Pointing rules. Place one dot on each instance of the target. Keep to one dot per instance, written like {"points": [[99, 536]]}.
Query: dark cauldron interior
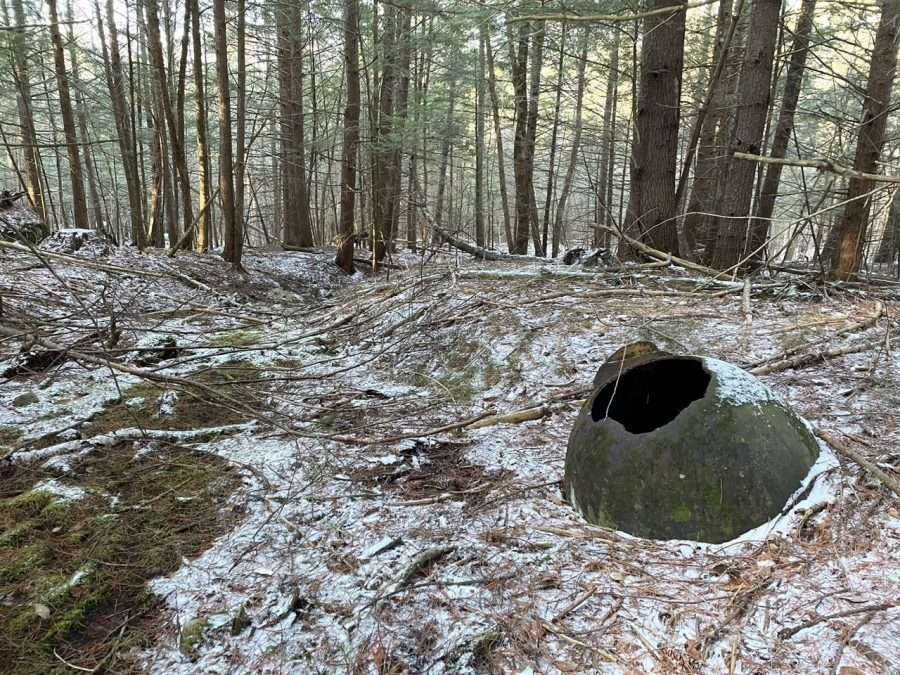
{"points": [[652, 395]]}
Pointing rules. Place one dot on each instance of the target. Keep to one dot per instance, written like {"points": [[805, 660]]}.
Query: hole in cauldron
{"points": [[652, 395]]}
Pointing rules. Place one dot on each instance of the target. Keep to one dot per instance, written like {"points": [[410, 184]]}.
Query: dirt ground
{"points": [[366, 508]]}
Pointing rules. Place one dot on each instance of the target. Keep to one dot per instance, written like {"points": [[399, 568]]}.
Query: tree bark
{"points": [[703, 191], [652, 206], [156, 56], [234, 237], [404, 37], [754, 93], [384, 159], [297, 228], [82, 115], [31, 154], [240, 141], [350, 153], [519, 65], [559, 224], [785, 125], [537, 64], [445, 162], [205, 224], [498, 135], [79, 202], [890, 239], [479, 145], [607, 138], [853, 225], [548, 201]]}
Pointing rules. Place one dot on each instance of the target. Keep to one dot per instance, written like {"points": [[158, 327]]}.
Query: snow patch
{"points": [[737, 385]]}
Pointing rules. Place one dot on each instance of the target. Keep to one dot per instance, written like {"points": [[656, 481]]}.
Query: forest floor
{"points": [[293, 471]]}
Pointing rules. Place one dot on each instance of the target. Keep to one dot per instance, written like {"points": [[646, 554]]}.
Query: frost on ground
{"points": [[393, 525]]}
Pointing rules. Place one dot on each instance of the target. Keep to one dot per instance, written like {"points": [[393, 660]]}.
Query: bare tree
{"points": [[785, 125], [297, 229], [652, 207], [79, 202], [350, 136], [559, 224], [498, 136], [234, 238], [754, 92], [32, 157], [479, 144], [854, 224], [168, 111], [205, 224]]}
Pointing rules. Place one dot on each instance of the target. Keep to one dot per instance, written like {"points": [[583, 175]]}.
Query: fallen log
{"points": [[473, 249]]}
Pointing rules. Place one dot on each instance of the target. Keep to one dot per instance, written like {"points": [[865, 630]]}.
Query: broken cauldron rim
{"points": [[732, 384]]}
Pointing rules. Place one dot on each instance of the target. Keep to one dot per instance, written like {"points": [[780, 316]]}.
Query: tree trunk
{"points": [[240, 141], [350, 153], [890, 239], [548, 201], [402, 108], [559, 225], [785, 126], [297, 228], [234, 237], [853, 225], [445, 162], [156, 57], [652, 207], [498, 135], [519, 65], [384, 166], [82, 114], [703, 191], [205, 224], [31, 154], [754, 92], [537, 64], [607, 138], [479, 145], [79, 203]]}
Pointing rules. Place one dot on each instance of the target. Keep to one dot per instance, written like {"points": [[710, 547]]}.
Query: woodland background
{"points": [[525, 126]]}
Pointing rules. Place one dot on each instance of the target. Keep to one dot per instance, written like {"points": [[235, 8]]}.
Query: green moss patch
{"points": [[73, 573], [237, 338], [154, 406], [8, 439]]}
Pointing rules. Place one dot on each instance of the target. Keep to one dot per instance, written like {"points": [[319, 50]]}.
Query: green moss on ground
{"points": [[139, 405], [9, 436], [73, 573], [237, 338]]}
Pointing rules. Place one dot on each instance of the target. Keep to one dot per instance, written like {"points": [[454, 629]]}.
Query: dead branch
{"points": [[820, 163], [472, 249], [870, 467], [787, 633], [660, 255], [80, 262], [187, 233], [804, 360], [151, 375], [535, 411], [608, 18], [861, 325], [121, 436]]}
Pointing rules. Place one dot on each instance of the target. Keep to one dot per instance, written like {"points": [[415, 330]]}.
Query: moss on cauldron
{"points": [[674, 447]]}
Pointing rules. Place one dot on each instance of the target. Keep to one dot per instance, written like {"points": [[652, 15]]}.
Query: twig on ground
{"points": [[870, 467], [788, 633]]}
